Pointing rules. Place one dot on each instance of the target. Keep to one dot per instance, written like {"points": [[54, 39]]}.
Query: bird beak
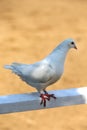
{"points": [[75, 47]]}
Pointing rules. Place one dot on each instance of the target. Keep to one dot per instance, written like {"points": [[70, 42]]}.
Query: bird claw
{"points": [[46, 97], [53, 96]]}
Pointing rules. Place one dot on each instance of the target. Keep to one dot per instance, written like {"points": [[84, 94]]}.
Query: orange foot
{"points": [[45, 97]]}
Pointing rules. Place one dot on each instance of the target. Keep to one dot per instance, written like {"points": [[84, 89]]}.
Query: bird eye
{"points": [[72, 43]]}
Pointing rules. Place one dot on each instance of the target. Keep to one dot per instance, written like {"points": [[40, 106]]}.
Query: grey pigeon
{"points": [[45, 72]]}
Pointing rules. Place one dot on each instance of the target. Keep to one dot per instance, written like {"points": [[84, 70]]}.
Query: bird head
{"points": [[71, 44], [66, 45]]}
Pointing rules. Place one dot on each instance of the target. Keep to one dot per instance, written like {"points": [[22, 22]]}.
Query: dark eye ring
{"points": [[72, 43]]}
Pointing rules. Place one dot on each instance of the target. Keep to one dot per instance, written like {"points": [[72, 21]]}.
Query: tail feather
{"points": [[8, 67], [14, 67]]}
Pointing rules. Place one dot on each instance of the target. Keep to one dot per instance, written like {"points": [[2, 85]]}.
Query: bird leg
{"points": [[45, 97]]}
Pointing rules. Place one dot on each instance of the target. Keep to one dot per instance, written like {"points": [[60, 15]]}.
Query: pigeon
{"points": [[45, 72]]}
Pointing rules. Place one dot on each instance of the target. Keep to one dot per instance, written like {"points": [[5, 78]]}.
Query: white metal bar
{"points": [[31, 101]]}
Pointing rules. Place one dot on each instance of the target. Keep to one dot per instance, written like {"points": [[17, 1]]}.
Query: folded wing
{"points": [[33, 73]]}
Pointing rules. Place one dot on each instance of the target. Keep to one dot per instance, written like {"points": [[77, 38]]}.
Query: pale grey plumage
{"points": [[47, 71]]}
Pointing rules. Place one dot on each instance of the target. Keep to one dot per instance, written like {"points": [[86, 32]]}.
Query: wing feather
{"points": [[38, 73]]}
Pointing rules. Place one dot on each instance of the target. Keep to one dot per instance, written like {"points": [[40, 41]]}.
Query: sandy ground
{"points": [[29, 30]]}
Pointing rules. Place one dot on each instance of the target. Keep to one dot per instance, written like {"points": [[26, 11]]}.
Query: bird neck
{"points": [[61, 47], [59, 54]]}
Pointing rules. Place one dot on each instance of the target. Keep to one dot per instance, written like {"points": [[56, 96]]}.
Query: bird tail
{"points": [[8, 67], [14, 67]]}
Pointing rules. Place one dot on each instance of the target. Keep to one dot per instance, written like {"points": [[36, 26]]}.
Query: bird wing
{"points": [[37, 73]]}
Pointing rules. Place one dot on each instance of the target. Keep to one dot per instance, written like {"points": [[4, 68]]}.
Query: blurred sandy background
{"points": [[29, 30]]}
